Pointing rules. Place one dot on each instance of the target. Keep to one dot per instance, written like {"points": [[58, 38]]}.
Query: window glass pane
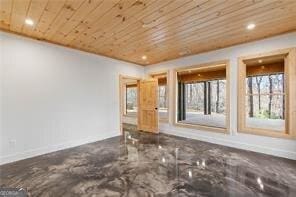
{"points": [[162, 101], [265, 84], [205, 103], [277, 83], [265, 111], [131, 100], [265, 104], [194, 98], [218, 101]]}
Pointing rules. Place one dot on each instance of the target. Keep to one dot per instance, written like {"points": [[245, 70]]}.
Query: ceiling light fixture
{"points": [[29, 21], [186, 51], [260, 61], [144, 57], [251, 26]]}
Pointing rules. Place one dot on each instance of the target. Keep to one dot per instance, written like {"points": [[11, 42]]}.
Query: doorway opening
{"points": [[138, 104], [129, 94]]}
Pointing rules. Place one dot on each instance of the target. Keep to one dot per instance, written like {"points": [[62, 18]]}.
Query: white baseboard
{"points": [[233, 144], [186, 134], [48, 149]]}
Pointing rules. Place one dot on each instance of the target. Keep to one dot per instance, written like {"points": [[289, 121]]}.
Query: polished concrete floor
{"points": [[141, 164]]}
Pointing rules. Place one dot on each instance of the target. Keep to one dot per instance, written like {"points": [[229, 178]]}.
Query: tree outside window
{"points": [[131, 100], [265, 96]]}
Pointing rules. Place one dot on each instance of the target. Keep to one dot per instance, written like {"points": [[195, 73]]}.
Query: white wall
{"points": [[268, 145], [54, 97]]}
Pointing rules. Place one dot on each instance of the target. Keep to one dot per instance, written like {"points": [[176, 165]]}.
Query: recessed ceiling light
{"points": [[186, 51], [149, 24], [260, 61], [251, 26], [182, 53], [144, 57], [29, 21]]}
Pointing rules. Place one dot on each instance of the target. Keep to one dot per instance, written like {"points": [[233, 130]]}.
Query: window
{"points": [[205, 103], [265, 107], [131, 100], [162, 101], [162, 94], [266, 101], [202, 96]]}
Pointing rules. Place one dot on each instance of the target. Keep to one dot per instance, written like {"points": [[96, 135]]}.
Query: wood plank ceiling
{"points": [[159, 29]]}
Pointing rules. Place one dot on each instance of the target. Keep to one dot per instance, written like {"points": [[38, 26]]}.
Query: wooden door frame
{"points": [[121, 102]]}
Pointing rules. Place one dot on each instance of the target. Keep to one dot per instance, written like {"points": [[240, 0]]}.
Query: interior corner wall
{"points": [[54, 97], [273, 146]]}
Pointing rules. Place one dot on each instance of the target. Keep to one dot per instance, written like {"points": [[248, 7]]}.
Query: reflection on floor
{"points": [[142, 164], [129, 127]]}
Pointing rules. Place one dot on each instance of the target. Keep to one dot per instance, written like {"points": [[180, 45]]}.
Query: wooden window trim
{"points": [[166, 73], [290, 95], [205, 66]]}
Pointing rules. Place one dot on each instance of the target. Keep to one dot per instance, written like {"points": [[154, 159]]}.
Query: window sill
{"points": [[202, 127]]}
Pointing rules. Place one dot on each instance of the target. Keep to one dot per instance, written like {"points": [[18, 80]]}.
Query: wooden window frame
{"points": [[290, 94], [205, 66], [165, 72]]}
